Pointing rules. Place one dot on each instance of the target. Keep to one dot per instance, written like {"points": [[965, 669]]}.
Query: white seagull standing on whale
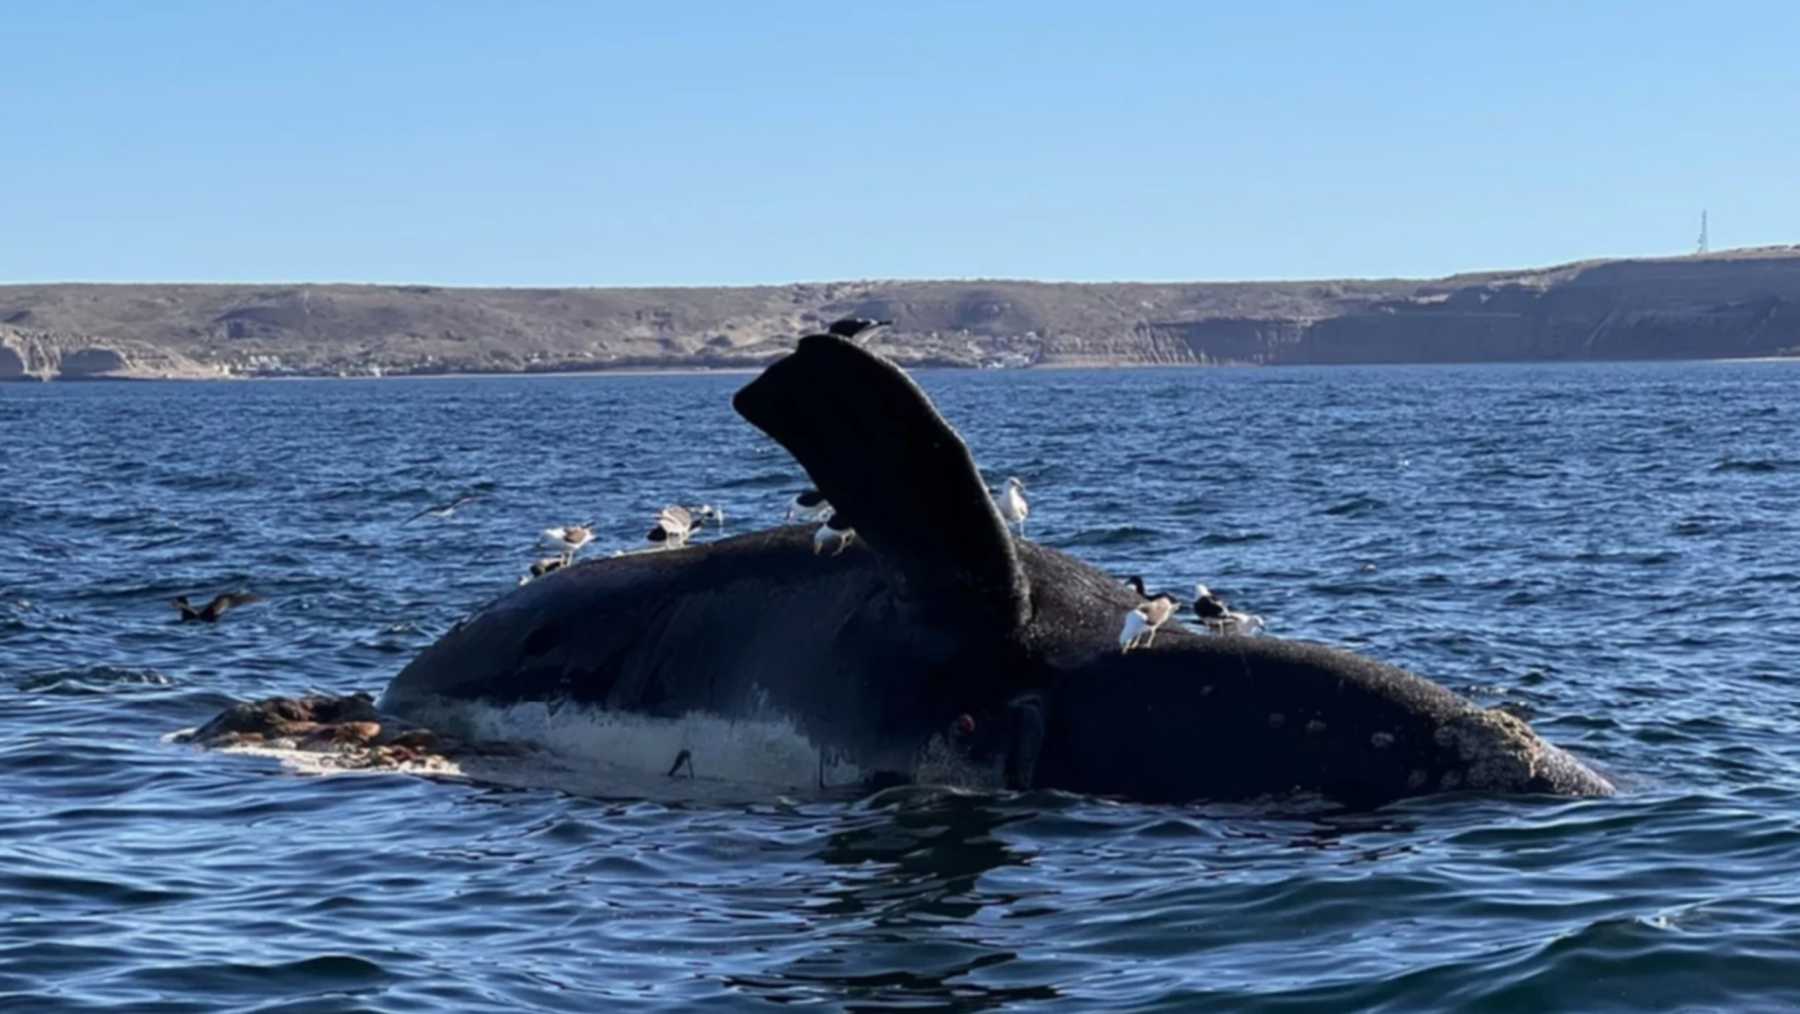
{"points": [[1012, 505], [571, 538], [1142, 623], [1135, 624]]}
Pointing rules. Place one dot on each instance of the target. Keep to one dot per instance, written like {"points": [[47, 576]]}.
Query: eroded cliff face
{"points": [[50, 355], [12, 361], [1734, 304]]}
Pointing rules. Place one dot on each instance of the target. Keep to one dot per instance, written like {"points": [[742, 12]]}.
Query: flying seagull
{"points": [[211, 612], [444, 510]]}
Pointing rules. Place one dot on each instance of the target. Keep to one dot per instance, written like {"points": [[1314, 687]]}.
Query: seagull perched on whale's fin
{"points": [[857, 329]]}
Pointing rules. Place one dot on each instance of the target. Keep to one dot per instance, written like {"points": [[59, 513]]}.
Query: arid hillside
{"points": [[1739, 303]]}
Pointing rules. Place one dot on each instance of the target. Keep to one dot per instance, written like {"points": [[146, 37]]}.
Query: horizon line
{"points": [[1791, 249]]}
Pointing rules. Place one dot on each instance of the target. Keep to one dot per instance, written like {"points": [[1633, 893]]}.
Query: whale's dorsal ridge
{"points": [[876, 447]]}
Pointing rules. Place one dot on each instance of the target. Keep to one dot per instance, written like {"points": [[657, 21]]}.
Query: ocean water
{"points": [[1611, 551]]}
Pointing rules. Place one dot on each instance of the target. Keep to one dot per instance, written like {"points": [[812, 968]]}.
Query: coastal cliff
{"points": [[1741, 303]]}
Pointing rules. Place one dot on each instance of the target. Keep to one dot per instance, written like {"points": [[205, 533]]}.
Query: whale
{"points": [[934, 647]]}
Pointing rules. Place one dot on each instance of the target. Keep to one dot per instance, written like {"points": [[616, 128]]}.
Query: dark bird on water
{"points": [[857, 329], [444, 510], [211, 612]]}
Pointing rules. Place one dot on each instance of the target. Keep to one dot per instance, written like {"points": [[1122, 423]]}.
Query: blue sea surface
{"points": [[1611, 551]]}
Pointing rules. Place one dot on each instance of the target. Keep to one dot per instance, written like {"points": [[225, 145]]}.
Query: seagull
{"points": [[1135, 622], [1210, 609], [1149, 616], [1220, 618], [808, 505], [1157, 612], [1238, 624], [444, 510], [857, 329], [1012, 505], [834, 529], [1208, 606], [544, 565], [571, 538], [673, 526], [211, 612]]}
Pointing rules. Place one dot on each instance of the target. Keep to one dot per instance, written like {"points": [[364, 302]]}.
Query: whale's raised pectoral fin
{"points": [[878, 450]]}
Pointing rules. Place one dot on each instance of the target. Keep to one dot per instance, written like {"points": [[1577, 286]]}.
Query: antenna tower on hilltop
{"points": [[1703, 247]]}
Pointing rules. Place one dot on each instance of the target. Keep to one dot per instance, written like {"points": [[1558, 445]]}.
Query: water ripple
{"points": [[1552, 540]]}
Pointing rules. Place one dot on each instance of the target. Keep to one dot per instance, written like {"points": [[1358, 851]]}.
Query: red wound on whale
{"points": [[965, 724]]}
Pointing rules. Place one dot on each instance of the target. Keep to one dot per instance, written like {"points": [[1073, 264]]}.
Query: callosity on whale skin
{"points": [[348, 730]]}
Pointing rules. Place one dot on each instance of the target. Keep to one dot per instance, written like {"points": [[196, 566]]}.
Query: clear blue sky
{"points": [[698, 143]]}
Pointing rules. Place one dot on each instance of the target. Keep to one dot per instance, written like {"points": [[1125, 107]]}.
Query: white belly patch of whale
{"points": [[621, 754], [767, 751]]}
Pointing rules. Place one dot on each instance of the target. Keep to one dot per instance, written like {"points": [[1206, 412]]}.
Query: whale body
{"points": [[935, 646]]}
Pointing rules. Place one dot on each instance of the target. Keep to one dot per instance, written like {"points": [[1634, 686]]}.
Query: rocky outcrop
{"points": [[12, 360], [51, 355], [26, 355], [1739, 303]]}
